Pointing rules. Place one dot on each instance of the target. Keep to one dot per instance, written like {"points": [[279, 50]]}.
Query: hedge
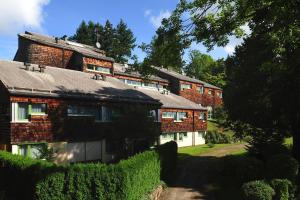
{"points": [[130, 179], [168, 158], [257, 190], [283, 188]]}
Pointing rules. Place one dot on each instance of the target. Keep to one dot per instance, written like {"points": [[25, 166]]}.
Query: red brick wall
{"points": [[93, 61], [36, 53], [190, 124], [191, 94], [212, 100]]}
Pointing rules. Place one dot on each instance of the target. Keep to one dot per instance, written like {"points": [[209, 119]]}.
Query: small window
{"points": [[180, 116], [23, 111], [219, 94], [169, 115], [209, 112], [31, 150], [200, 89], [185, 86], [101, 69], [38, 109], [210, 92], [202, 116], [182, 136], [154, 114]]}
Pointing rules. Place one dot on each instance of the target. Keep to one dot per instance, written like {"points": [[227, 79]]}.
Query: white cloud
{"points": [[229, 48], [16, 15], [156, 20], [147, 12]]}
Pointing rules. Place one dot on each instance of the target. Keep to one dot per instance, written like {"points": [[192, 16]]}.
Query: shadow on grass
{"points": [[207, 177]]}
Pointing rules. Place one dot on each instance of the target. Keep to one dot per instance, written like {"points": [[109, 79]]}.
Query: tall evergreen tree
{"points": [[124, 42], [116, 42]]}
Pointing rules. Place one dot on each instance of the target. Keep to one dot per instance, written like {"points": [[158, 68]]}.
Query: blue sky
{"points": [[60, 17]]}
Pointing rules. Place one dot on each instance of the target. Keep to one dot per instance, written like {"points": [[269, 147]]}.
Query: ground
{"points": [[197, 175]]}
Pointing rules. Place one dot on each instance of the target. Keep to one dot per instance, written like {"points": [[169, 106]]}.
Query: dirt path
{"points": [[196, 176]]}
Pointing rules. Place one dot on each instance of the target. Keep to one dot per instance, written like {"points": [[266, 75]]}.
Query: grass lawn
{"points": [[200, 149], [213, 125]]}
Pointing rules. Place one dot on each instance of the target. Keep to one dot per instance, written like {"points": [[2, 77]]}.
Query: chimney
{"points": [[56, 39], [27, 65], [42, 68]]}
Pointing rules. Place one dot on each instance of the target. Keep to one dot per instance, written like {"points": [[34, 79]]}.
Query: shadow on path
{"points": [[197, 177]]}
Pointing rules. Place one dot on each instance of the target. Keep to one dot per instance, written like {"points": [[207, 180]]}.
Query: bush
{"points": [[249, 169], [168, 157], [216, 137], [257, 190], [283, 189], [282, 167], [265, 150], [130, 179]]}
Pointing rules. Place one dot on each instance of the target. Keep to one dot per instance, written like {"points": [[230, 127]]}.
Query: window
{"points": [[155, 115], [201, 134], [101, 114], [210, 92], [219, 94], [101, 69], [209, 112], [81, 111], [133, 83], [38, 109], [31, 150], [169, 115], [185, 86], [200, 89], [202, 116], [22, 111]]}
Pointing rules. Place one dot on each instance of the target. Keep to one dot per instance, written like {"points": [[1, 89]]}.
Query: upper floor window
{"points": [[21, 111], [202, 116], [209, 112], [200, 89], [185, 86], [155, 115], [96, 68], [220, 94], [133, 83], [177, 116], [210, 92]]}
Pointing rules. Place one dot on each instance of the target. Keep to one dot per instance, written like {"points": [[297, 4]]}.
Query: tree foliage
{"points": [[263, 76], [117, 42], [167, 46], [205, 68]]}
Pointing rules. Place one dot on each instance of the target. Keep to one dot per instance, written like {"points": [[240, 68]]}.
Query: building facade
{"points": [[69, 111]]}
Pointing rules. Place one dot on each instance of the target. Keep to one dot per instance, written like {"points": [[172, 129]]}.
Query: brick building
{"points": [[68, 110], [181, 119], [200, 92]]}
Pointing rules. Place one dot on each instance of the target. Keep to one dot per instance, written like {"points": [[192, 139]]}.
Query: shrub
{"points": [[282, 167], [257, 190], [283, 189], [249, 169], [168, 157], [216, 137], [264, 150]]}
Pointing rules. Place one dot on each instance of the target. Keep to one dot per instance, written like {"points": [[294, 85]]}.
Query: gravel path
{"points": [[197, 175]]}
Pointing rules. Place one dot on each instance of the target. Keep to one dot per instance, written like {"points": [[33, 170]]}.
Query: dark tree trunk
{"points": [[296, 145]]}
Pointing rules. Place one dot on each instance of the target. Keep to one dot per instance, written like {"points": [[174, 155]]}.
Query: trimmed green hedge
{"points": [[130, 179], [168, 158]]}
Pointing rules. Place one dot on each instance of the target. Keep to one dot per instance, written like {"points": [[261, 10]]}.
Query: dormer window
{"points": [[185, 86], [100, 69]]}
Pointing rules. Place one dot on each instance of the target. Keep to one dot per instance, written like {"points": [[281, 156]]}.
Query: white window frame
{"points": [[185, 86], [200, 89], [104, 70]]}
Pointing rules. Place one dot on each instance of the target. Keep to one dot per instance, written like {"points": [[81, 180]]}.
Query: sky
{"points": [[62, 17]]}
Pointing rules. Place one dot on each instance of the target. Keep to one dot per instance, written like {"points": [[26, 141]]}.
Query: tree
{"points": [[116, 42], [262, 93], [205, 68], [124, 43], [167, 46]]}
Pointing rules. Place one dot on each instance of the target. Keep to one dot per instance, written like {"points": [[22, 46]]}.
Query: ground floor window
{"points": [[209, 112], [31, 150], [201, 134]]}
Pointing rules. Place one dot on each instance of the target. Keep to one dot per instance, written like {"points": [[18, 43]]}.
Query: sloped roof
{"points": [[58, 82], [123, 70], [183, 77], [170, 100], [83, 49]]}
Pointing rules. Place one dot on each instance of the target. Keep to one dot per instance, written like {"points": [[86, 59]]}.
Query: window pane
{"points": [[90, 67], [36, 150], [107, 114], [22, 111], [38, 108], [23, 150], [185, 86]]}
